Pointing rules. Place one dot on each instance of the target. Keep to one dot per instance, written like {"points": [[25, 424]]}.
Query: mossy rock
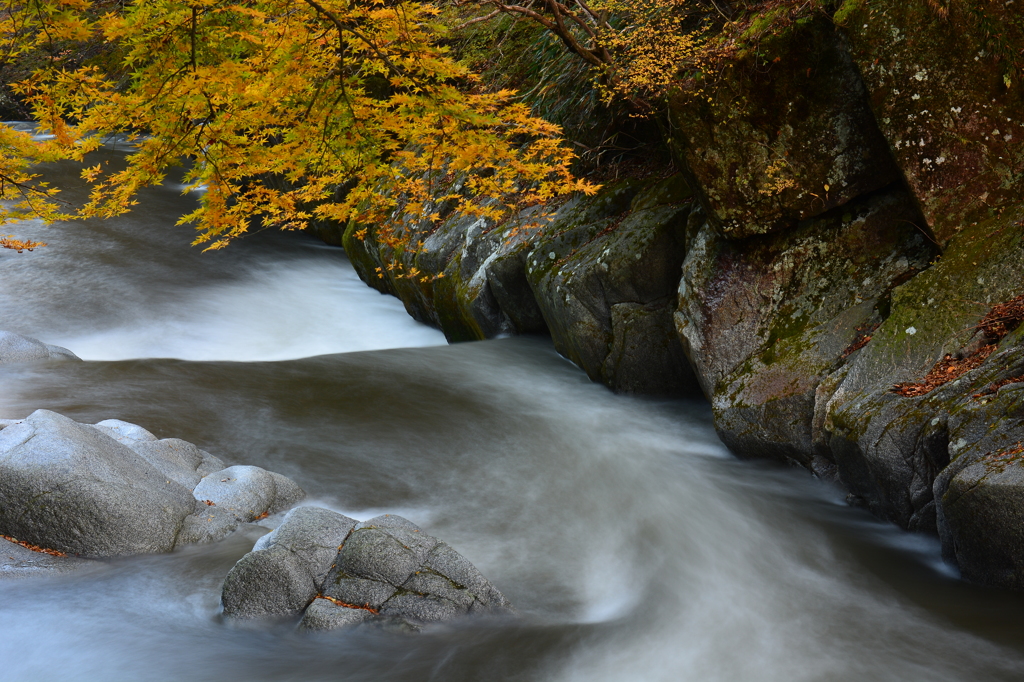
{"points": [[984, 516], [362, 252], [890, 450], [947, 93], [765, 320], [604, 276], [785, 134]]}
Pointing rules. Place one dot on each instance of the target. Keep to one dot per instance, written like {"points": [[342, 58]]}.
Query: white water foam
{"points": [[279, 312]]}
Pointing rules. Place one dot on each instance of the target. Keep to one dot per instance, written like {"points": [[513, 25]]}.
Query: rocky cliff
{"points": [[836, 267]]}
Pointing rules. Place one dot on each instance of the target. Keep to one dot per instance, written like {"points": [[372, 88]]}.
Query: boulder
{"points": [[890, 449], [386, 571], [113, 488], [248, 492], [983, 510], [287, 567], [18, 348], [66, 486], [784, 135], [765, 320], [267, 583], [605, 275], [314, 535], [944, 82]]}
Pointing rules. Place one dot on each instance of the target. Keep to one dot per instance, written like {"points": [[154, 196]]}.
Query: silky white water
{"points": [[633, 544]]}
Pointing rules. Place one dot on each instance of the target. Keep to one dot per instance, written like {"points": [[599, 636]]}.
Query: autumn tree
{"points": [[290, 111], [637, 48]]}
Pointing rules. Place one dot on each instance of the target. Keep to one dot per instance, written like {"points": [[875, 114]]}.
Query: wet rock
{"points": [[947, 97], [890, 449], [607, 301], [18, 348], [324, 614], [248, 492], [113, 488], [125, 432], [386, 571], [787, 136], [765, 320], [207, 523], [405, 531], [357, 592], [314, 535], [605, 275], [179, 460], [417, 608], [374, 554], [446, 562], [18, 562], [287, 567], [267, 583], [68, 487], [984, 515]]}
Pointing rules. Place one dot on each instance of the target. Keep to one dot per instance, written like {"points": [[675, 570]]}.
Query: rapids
{"points": [[634, 545]]}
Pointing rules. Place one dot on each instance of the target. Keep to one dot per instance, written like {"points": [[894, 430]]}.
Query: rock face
{"points": [[18, 348], [600, 276], [890, 448], [337, 572], [852, 212], [947, 97], [766, 319], [783, 142], [113, 488], [604, 275]]}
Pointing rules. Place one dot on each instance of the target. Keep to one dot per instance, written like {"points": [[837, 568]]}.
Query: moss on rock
{"points": [[946, 96], [787, 135]]}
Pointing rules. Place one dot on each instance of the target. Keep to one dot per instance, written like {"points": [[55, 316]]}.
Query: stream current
{"points": [[633, 544]]}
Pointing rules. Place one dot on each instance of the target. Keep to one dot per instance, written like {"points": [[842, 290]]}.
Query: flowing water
{"points": [[633, 544]]}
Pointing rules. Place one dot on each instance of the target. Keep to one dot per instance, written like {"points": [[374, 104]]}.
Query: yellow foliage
{"points": [[777, 179], [289, 111], [640, 49], [654, 42], [9, 242]]}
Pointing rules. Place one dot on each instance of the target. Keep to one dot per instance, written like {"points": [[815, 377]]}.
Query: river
{"points": [[633, 544]]}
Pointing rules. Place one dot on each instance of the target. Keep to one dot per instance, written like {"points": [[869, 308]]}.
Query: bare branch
{"points": [[477, 20]]}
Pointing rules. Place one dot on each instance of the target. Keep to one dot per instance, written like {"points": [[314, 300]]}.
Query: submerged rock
{"points": [[18, 348], [113, 489], [337, 572]]}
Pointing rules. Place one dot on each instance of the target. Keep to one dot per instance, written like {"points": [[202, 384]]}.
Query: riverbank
{"points": [[826, 269]]}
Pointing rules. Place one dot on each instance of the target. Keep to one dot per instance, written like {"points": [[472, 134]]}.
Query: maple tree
{"points": [[637, 48], [291, 111]]}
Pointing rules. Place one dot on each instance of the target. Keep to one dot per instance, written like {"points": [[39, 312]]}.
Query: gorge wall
{"points": [[849, 215]]}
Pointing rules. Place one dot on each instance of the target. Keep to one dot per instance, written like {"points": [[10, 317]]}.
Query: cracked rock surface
{"points": [[336, 572]]}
